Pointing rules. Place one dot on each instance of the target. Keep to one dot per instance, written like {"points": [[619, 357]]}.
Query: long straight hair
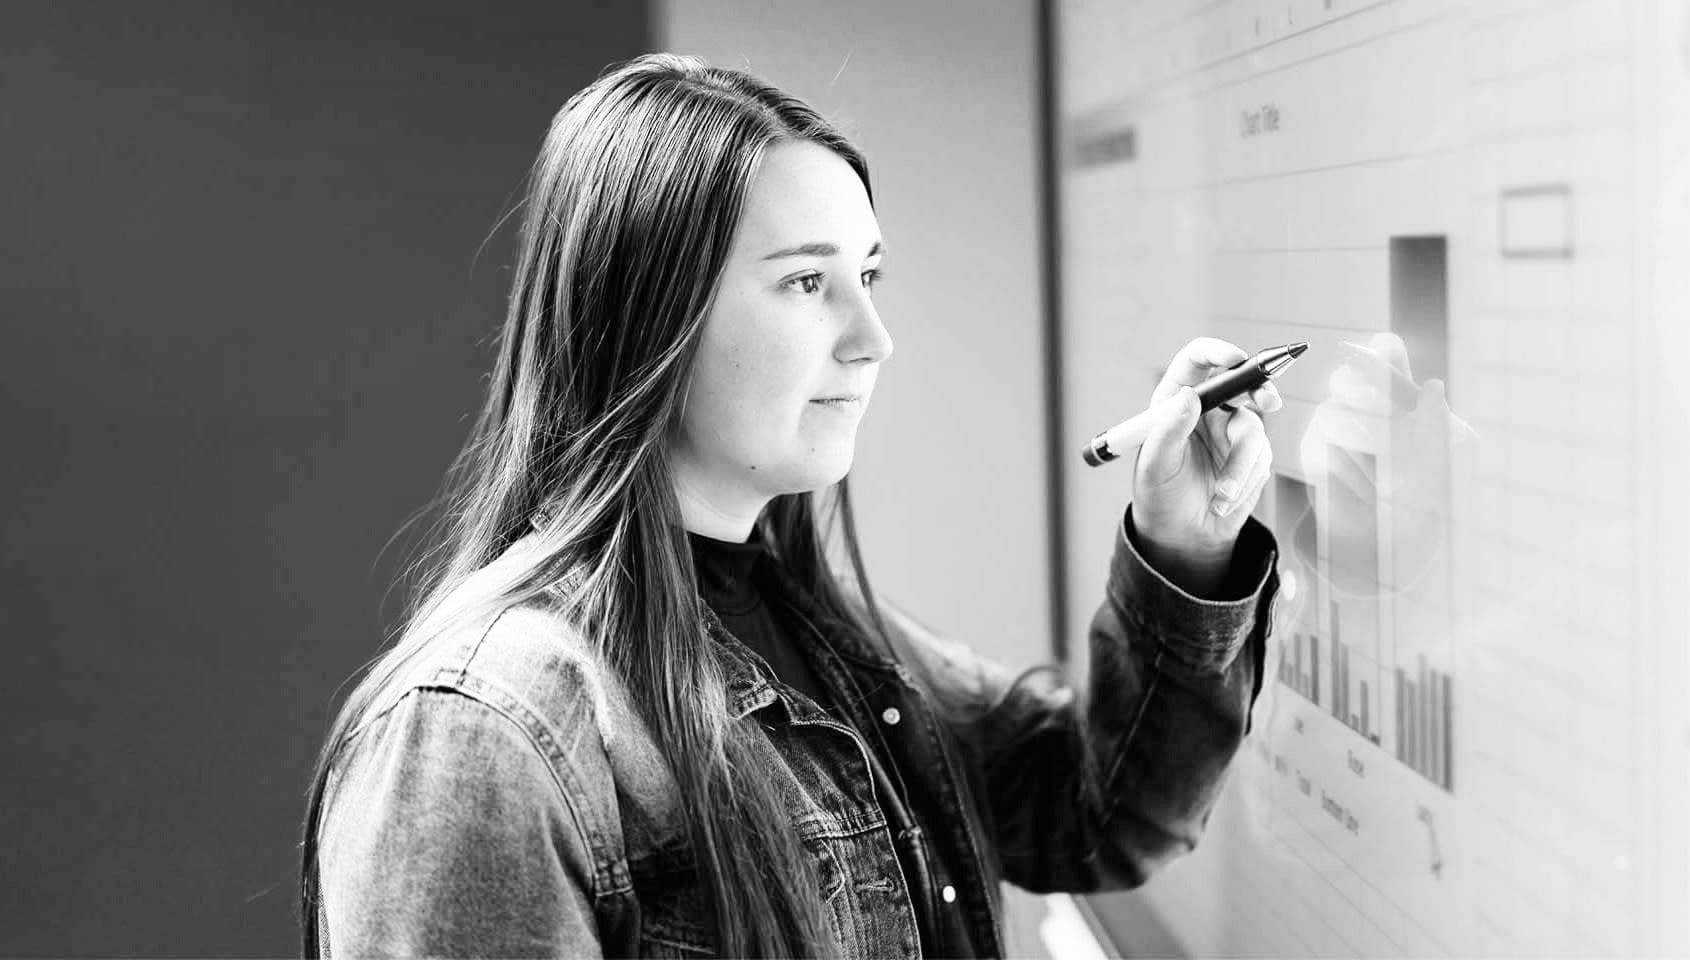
{"points": [[630, 211]]}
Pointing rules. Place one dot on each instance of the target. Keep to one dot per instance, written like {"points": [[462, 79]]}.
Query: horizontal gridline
{"points": [[1584, 157], [1512, 937], [1508, 483], [1520, 12], [1148, 93], [1524, 550], [1263, 923], [1272, 321], [1514, 17], [1486, 806], [1267, 919], [1516, 889], [1172, 25], [1550, 68], [1586, 108], [1597, 380], [1247, 251], [1587, 186], [1539, 787], [1503, 801], [1605, 686], [1544, 852], [1337, 933], [1502, 589], [1590, 123], [1360, 878], [1496, 926], [1365, 163], [1531, 881], [1498, 419], [1508, 802], [1312, 58], [1575, 320], [1528, 884], [1475, 701]]}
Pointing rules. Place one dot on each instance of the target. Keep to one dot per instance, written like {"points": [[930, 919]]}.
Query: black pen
{"points": [[1219, 390]]}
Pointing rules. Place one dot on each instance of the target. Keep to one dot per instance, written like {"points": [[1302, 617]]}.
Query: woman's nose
{"points": [[865, 336]]}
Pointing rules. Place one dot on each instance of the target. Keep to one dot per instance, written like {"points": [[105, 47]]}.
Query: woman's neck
{"points": [[717, 517]]}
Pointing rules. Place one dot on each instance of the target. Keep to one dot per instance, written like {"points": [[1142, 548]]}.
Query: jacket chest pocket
{"points": [[674, 917], [864, 901], [672, 914], [869, 907]]}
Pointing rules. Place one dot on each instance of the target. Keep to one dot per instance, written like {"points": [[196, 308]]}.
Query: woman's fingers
{"points": [[1263, 399], [1266, 398], [1248, 460], [1232, 433], [1162, 456], [1212, 431], [1194, 364]]}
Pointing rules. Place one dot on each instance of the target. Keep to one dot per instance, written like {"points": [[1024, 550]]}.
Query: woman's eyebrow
{"points": [[816, 249]]}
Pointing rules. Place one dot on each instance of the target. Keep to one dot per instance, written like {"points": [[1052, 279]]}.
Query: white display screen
{"points": [[1472, 738]]}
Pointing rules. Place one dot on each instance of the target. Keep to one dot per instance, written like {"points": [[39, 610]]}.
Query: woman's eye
{"points": [[812, 282]]}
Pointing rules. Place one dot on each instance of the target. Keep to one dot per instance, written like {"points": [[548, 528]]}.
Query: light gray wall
{"points": [[949, 475]]}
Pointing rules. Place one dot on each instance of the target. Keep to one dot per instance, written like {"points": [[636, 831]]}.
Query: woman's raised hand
{"points": [[1197, 478]]}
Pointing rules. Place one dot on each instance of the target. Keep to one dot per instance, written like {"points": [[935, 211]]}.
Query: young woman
{"points": [[634, 711]]}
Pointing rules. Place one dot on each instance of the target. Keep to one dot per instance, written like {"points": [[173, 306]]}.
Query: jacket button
{"points": [[891, 716], [949, 893]]}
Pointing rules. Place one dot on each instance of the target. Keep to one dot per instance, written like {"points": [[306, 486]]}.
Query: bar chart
{"points": [[1472, 738]]}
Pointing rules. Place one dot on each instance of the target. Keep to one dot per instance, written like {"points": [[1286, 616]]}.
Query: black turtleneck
{"points": [[732, 579]]}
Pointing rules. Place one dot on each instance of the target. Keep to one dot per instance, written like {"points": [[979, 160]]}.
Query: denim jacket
{"points": [[505, 800]]}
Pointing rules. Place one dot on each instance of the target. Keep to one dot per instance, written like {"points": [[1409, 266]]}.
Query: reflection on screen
{"points": [[1470, 745]]}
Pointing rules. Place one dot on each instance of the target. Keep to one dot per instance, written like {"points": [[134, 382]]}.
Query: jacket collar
{"points": [[846, 640], [748, 688]]}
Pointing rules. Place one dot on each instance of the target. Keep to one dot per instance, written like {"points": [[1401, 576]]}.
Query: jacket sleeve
{"points": [[1096, 792], [448, 835]]}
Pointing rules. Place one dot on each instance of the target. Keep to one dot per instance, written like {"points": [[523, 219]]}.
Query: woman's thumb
{"points": [[1163, 453]]}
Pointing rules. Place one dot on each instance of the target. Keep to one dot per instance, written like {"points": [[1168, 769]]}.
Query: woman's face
{"points": [[792, 327]]}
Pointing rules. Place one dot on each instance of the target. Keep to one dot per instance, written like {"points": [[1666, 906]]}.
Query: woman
{"points": [[635, 711]]}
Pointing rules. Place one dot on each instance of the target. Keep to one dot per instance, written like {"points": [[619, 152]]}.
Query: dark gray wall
{"points": [[246, 306]]}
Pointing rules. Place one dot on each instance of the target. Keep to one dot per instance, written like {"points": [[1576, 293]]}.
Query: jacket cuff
{"points": [[1204, 635]]}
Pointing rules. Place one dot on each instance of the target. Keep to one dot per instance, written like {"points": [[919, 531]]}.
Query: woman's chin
{"points": [[823, 471]]}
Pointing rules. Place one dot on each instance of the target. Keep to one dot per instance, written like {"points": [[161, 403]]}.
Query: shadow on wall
{"points": [[253, 265]]}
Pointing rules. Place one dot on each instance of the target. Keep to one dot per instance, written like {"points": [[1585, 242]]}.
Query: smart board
{"points": [[1472, 738]]}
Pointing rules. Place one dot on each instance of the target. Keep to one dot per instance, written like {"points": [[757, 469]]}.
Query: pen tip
{"points": [[1297, 348]]}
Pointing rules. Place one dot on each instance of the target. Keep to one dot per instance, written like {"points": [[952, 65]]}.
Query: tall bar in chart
{"points": [[1423, 724], [1418, 516], [1299, 646], [1299, 665], [1350, 565], [1351, 702]]}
